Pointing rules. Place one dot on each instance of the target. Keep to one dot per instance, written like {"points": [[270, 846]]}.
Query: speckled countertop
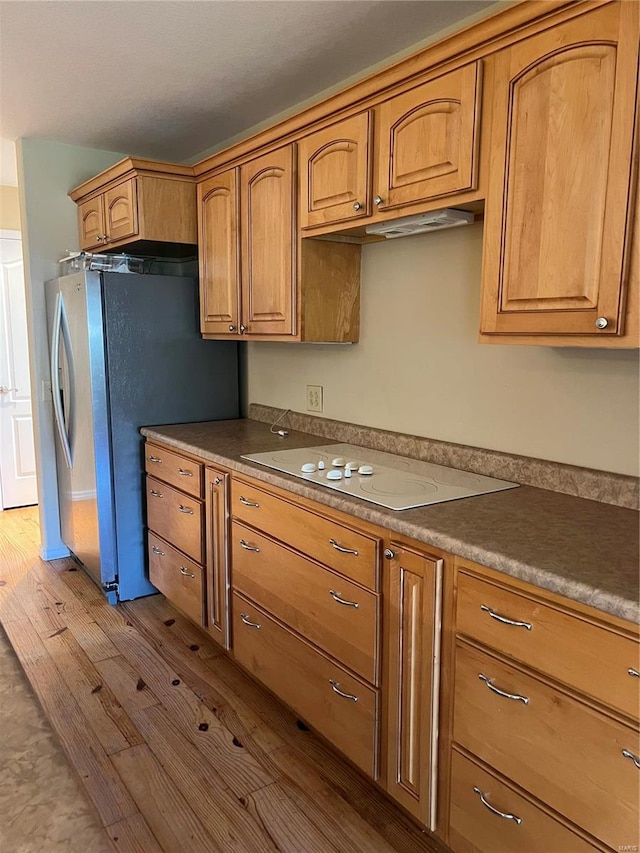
{"points": [[585, 550]]}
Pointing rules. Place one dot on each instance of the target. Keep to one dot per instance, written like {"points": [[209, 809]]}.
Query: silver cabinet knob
{"points": [[217, 481], [243, 329], [377, 200], [389, 554], [5, 390], [602, 323], [357, 205], [232, 328]]}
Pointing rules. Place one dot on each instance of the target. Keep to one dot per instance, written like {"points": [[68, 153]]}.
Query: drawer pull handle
{"points": [[154, 459], [186, 572], [336, 597], [157, 551], [632, 671], [244, 544], [185, 473], [248, 621], [248, 503], [217, 481], [504, 619], [491, 686], [636, 760], [342, 550], [156, 494], [187, 510], [335, 686], [517, 820]]}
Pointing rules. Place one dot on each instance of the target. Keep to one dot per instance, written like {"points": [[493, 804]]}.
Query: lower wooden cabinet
{"points": [[177, 577]]}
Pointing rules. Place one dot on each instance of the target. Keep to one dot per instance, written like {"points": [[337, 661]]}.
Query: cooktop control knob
{"points": [[352, 466], [339, 462], [347, 472], [334, 475], [321, 465], [366, 470], [308, 467]]}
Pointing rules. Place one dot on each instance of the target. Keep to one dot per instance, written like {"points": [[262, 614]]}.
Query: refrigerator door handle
{"points": [[55, 379]]}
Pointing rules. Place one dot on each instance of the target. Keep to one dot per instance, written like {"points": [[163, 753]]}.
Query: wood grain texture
{"points": [[217, 555], [174, 469], [177, 577], [91, 223], [329, 291], [167, 210], [176, 517], [121, 211]]}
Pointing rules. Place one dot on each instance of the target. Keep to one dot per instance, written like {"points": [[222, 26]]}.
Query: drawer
{"points": [[326, 609], [573, 650], [475, 828], [307, 681], [174, 469], [342, 548], [176, 577], [560, 750], [175, 517]]}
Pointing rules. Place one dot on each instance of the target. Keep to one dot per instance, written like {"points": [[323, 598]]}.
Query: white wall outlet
{"points": [[314, 398]]}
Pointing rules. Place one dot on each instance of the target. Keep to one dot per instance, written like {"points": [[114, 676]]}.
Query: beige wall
{"points": [[9, 208], [418, 368]]}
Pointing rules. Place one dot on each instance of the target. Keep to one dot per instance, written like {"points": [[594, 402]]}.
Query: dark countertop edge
{"points": [[607, 602]]}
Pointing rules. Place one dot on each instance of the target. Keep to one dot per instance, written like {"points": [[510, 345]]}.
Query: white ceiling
{"points": [[169, 79]]}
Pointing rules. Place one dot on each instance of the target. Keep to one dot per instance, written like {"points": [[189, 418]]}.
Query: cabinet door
{"points": [[218, 229], [217, 562], [91, 222], [121, 211], [412, 606], [268, 244], [561, 157], [335, 172], [428, 139]]}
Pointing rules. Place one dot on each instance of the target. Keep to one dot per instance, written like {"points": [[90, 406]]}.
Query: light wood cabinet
{"points": [[335, 172], [412, 618], [217, 550], [141, 205], [427, 140], [256, 279], [558, 211]]}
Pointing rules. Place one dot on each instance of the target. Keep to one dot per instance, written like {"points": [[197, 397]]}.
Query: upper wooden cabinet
{"points": [[335, 172], [139, 203], [427, 140], [257, 279], [558, 210]]}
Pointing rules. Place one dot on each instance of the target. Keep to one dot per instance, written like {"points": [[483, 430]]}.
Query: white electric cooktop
{"points": [[395, 482]]}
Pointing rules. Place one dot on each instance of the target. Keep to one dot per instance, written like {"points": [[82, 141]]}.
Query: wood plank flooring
{"points": [[176, 747]]}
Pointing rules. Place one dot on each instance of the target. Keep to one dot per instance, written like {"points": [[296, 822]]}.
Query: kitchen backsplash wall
{"points": [[418, 368]]}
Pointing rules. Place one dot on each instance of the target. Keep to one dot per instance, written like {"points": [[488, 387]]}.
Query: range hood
{"points": [[435, 220]]}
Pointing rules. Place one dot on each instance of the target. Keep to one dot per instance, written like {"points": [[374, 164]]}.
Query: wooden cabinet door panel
{"points": [[428, 139], [91, 221], [557, 206], [219, 254], [217, 559], [268, 245], [335, 172], [121, 211], [177, 577], [412, 610]]}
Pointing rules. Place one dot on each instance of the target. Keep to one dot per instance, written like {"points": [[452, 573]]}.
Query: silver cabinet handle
{"points": [[186, 572], [156, 494], [377, 200], [356, 205], [335, 686], [244, 544], [187, 510], [154, 459], [248, 503], [636, 760], [491, 686], [248, 621], [342, 550], [232, 328], [217, 481], [243, 329], [184, 473], [157, 551], [389, 554], [602, 323], [517, 820], [632, 671], [336, 597], [504, 619]]}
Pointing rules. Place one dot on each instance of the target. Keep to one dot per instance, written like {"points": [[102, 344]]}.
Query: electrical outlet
{"points": [[314, 398]]}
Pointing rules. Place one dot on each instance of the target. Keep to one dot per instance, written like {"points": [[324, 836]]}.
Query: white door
{"points": [[17, 457]]}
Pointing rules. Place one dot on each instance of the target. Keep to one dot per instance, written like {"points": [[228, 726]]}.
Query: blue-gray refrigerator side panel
{"points": [[160, 371]]}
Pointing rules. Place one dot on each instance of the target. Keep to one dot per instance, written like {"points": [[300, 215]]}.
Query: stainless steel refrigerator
{"points": [[125, 352]]}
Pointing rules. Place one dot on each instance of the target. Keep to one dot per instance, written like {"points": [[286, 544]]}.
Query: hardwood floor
{"points": [[175, 746]]}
